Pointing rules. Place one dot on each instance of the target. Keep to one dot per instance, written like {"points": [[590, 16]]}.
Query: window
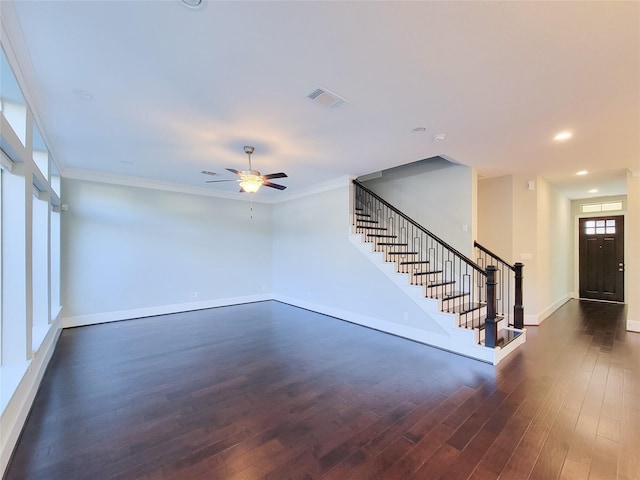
{"points": [[29, 274], [12, 104], [40, 152], [54, 256], [39, 268], [55, 178], [601, 207], [600, 227]]}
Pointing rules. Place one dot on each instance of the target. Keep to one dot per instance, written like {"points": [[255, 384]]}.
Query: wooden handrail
{"points": [[490, 253], [471, 263]]}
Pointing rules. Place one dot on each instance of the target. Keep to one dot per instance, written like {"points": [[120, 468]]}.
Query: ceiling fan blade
{"points": [[233, 171], [274, 175], [218, 181], [207, 172], [274, 185]]}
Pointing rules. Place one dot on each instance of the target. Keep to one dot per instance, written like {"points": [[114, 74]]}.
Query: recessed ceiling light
{"points": [[563, 136], [439, 137], [593, 190], [418, 130], [582, 172]]}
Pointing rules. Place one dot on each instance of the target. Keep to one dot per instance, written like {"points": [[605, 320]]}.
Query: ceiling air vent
{"points": [[326, 97]]}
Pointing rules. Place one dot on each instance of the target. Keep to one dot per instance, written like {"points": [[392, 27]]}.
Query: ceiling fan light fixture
{"points": [[250, 183], [251, 180]]}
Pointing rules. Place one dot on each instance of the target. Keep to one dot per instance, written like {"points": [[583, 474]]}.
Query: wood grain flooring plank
{"points": [[267, 390], [509, 437], [469, 457], [419, 454]]}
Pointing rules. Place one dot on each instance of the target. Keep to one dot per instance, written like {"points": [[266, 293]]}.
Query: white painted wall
{"points": [[555, 249], [437, 194], [534, 227], [525, 236], [632, 254], [130, 251], [315, 265], [495, 216]]}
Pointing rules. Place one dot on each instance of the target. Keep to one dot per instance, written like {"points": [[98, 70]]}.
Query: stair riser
{"points": [[480, 335], [462, 327], [472, 319]]}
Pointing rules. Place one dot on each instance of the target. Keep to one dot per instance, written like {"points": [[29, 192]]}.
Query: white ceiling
{"points": [[179, 90]]}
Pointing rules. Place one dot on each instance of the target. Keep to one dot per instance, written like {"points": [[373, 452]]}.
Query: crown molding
{"points": [[128, 181], [326, 186]]}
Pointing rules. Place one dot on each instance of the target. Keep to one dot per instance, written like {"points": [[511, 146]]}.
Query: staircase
{"points": [[451, 288]]}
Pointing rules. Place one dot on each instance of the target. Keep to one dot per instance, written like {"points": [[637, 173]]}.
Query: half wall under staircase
{"points": [[470, 303]]}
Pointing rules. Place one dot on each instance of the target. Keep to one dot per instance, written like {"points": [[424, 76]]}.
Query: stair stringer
{"points": [[463, 341]]}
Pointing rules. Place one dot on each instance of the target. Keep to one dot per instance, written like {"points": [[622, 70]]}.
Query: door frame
{"points": [[576, 246]]}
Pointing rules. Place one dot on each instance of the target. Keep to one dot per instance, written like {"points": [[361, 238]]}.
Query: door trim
{"points": [[576, 253]]}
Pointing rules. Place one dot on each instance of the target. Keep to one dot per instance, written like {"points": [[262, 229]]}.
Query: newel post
{"points": [[518, 309], [490, 327]]}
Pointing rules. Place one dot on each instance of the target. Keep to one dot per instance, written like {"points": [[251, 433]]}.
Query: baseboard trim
{"points": [[443, 342], [633, 326], [18, 406], [116, 316], [547, 312]]}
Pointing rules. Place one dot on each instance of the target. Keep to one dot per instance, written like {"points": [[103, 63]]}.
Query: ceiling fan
{"points": [[251, 180]]}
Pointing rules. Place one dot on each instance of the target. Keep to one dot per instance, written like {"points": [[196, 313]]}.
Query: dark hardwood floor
{"points": [[267, 390]]}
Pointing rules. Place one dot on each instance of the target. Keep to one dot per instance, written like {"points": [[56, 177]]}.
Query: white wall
{"points": [[131, 251], [632, 254], [495, 215], [28, 328], [555, 249], [316, 266], [437, 194], [534, 227]]}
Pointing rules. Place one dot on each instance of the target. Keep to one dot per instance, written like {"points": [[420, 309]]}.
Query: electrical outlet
{"points": [[194, 295]]}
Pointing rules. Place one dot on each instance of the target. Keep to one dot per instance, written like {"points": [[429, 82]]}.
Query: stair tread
{"points": [[505, 337], [454, 295], [481, 321], [469, 314], [432, 272], [467, 307], [438, 284]]}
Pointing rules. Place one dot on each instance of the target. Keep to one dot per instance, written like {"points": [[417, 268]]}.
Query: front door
{"points": [[601, 255]]}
